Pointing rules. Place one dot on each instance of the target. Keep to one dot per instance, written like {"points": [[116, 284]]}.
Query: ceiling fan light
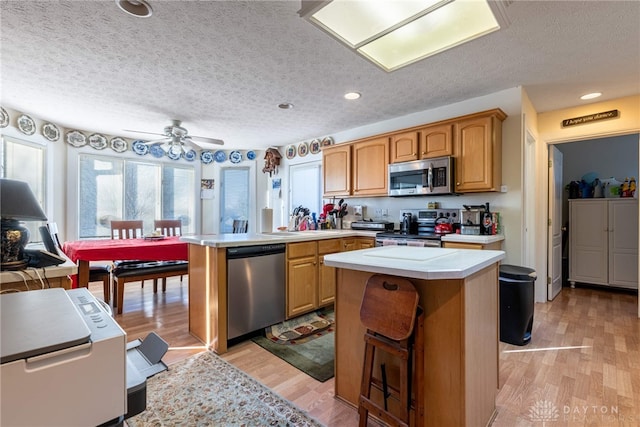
{"points": [[176, 149], [137, 8]]}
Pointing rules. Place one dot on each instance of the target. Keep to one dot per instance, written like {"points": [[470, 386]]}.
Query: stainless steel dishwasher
{"points": [[255, 288]]}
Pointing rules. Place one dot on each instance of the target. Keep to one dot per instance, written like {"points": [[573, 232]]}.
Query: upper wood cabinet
{"points": [[478, 151], [370, 161], [404, 147], [436, 141], [336, 170]]}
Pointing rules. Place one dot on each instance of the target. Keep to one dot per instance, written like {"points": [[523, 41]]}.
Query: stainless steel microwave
{"points": [[421, 177]]}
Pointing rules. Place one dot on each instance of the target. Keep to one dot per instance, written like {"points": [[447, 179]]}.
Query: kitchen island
{"points": [[208, 274], [458, 291]]}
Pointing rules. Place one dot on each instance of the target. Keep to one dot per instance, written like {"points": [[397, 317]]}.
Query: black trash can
{"points": [[516, 304]]}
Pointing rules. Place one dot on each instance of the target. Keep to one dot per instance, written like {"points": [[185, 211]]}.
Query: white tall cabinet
{"points": [[603, 242]]}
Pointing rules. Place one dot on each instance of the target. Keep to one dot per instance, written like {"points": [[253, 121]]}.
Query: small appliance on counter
{"points": [[372, 225], [476, 220]]}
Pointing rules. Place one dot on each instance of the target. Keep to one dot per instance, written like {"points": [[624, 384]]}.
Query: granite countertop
{"points": [[470, 238], [416, 262], [248, 239]]}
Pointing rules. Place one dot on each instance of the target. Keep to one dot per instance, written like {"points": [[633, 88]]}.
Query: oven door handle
{"points": [[430, 177]]}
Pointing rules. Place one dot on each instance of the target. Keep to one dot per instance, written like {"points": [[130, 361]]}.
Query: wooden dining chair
{"points": [[131, 229], [168, 227], [240, 226]]}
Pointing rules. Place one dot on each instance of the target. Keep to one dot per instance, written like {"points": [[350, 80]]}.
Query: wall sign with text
{"points": [[590, 118]]}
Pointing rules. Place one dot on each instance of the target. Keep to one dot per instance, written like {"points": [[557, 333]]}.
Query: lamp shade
{"points": [[18, 202]]}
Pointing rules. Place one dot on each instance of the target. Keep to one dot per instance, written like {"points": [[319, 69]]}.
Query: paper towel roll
{"points": [[266, 220]]}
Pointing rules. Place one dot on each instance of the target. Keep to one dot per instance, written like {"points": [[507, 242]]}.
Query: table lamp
{"points": [[17, 203]]}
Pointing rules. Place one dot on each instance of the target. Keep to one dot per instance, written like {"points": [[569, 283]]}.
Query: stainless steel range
{"points": [[422, 230]]}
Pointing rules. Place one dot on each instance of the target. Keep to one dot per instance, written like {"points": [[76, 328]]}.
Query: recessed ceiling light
{"points": [[138, 8], [351, 95], [591, 95], [285, 105]]}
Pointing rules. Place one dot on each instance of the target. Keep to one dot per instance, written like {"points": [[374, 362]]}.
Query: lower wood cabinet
{"points": [[355, 243], [310, 283], [302, 278], [464, 245]]}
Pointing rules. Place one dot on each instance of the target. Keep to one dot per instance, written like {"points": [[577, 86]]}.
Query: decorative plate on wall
{"points": [[157, 151], [51, 132], [139, 147], [314, 146], [206, 157], [327, 141], [76, 138], [119, 145], [291, 152], [303, 149], [4, 118], [251, 155], [220, 156], [26, 125], [235, 157], [98, 141], [190, 155]]}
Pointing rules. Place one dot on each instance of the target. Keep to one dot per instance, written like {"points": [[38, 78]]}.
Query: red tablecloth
{"points": [[83, 251]]}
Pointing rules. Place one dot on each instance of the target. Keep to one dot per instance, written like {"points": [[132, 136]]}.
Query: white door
{"points": [[554, 253]]}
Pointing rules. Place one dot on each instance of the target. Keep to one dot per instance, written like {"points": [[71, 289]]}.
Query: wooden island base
{"points": [[461, 346]]}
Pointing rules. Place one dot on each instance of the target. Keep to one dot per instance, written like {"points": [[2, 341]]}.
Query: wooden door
{"points": [[404, 147], [336, 170], [302, 286], [370, 162], [436, 141]]}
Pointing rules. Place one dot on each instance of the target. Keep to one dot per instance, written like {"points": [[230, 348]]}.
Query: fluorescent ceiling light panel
{"points": [[393, 34]]}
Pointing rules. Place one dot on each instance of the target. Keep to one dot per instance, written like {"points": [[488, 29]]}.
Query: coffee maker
{"points": [[476, 219]]}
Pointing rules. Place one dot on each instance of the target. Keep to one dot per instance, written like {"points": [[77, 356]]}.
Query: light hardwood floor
{"points": [[582, 367]]}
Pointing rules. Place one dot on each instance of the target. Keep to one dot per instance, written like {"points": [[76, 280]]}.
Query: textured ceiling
{"points": [[223, 67]]}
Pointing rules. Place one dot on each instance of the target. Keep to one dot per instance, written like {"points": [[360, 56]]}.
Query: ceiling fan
{"points": [[176, 137]]}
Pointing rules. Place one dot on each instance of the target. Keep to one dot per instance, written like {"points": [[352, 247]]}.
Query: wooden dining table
{"points": [[82, 252]]}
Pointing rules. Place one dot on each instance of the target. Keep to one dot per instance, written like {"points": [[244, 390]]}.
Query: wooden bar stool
{"points": [[394, 323]]}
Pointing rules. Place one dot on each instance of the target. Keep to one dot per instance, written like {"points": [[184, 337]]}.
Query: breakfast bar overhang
{"points": [[458, 291]]}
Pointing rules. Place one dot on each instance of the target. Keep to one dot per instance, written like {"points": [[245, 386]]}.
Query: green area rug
{"points": [[306, 342], [205, 390]]}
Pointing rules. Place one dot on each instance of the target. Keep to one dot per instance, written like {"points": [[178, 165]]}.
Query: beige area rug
{"points": [[205, 390]]}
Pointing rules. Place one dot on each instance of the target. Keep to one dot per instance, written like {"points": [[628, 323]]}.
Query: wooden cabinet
{"points": [[603, 242], [326, 274], [436, 141], [336, 170], [404, 147], [355, 243], [465, 245], [302, 278], [370, 161], [310, 283], [479, 152]]}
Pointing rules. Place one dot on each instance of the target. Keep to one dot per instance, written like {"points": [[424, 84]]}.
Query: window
{"points": [[305, 187], [234, 197], [25, 161], [112, 188]]}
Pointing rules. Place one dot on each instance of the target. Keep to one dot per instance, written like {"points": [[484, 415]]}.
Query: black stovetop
{"points": [[399, 235]]}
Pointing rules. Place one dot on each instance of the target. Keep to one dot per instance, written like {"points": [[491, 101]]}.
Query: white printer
{"points": [[63, 360]]}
